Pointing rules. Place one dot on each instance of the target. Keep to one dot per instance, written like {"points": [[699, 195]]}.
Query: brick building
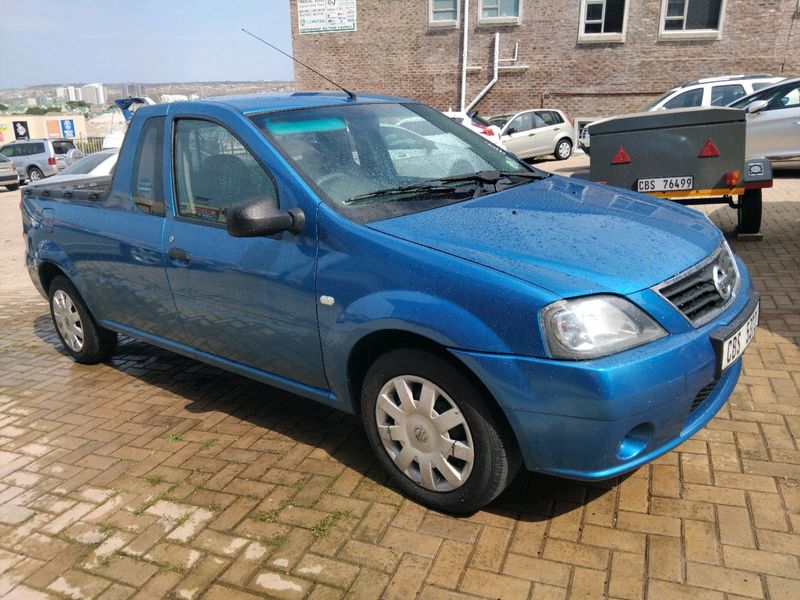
{"points": [[590, 57]]}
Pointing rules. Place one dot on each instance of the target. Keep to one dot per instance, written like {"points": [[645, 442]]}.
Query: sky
{"points": [[149, 41]]}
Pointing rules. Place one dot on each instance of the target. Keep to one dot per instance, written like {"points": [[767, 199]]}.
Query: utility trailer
{"points": [[691, 155]]}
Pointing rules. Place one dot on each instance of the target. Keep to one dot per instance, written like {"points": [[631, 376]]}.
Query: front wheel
{"points": [[85, 340], [749, 212], [434, 433], [563, 149], [13, 187]]}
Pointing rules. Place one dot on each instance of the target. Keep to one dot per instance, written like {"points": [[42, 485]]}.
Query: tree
{"points": [[3, 107], [36, 110], [77, 104]]}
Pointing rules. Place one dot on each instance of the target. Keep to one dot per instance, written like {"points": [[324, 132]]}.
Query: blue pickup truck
{"points": [[478, 313]]}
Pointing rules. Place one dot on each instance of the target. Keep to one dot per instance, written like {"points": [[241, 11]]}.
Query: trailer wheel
{"points": [[749, 212]]}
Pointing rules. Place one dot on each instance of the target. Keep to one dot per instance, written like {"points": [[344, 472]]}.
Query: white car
{"points": [[711, 91], [537, 132], [474, 123], [773, 121], [93, 165]]}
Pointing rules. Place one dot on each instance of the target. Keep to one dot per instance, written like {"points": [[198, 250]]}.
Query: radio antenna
{"points": [[350, 95]]}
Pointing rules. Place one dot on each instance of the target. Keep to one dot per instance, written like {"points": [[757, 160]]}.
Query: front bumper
{"points": [[600, 418]]}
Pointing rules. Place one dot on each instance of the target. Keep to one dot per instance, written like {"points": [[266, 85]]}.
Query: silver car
{"points": [[539, 132], [773, 121], [8, 174], [37, 159]]}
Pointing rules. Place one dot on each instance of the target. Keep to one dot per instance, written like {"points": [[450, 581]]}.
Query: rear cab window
{"points": [[686, 99], [147, 186], [722, 95]]}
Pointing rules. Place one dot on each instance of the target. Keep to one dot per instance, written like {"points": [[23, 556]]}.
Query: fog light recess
{"points": [[635, 441]]}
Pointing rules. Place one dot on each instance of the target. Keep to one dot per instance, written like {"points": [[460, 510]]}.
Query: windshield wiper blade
{"points": [[428, 186]]}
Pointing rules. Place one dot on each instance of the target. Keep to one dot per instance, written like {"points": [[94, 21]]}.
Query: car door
{"points": [[248, 301], [775, 131], [518, 134], [548, 124]]}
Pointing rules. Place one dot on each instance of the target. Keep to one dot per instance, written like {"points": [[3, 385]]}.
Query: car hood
{"points": [[567, 236]]}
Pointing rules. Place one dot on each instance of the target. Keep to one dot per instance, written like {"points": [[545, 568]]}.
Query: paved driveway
{"points": [[156, 476]]}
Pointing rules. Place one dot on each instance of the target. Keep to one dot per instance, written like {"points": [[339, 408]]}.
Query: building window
{"points": [[499, 12], [443, 13], [691, 19], [603, 20]]}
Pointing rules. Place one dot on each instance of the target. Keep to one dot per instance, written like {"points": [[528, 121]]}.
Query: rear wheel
{"points": [[434, 433], [563, 149], [13, 187], [749, 212], [83, 338], [35, 174]]}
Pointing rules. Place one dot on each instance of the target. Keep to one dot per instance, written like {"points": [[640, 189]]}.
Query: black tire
{"points": [[35, 174], [13, 187], [563, 149], [495, 458], [97, 343], [749, 212]]}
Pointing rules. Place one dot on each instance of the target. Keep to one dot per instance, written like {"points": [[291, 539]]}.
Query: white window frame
{"points": [[601, 38], [498, 20], [690, 34], [444, 24]]}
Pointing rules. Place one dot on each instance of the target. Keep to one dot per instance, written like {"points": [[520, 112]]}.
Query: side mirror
{"points": [[756, 106], [510, 131], [258, 217]]}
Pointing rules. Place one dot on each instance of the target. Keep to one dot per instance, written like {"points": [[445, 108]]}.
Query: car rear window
{"points": [[62, 147]]}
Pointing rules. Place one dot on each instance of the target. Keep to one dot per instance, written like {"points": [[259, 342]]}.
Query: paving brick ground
{"points": [[156, 476]]}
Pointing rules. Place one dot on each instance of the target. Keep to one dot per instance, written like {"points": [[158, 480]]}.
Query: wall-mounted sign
{"points": [[326, 16], [53, 129], [67, 128], [21, 130]]}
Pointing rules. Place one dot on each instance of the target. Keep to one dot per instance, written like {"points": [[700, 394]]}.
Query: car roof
{"points": [[267, 102], [723, 78]]}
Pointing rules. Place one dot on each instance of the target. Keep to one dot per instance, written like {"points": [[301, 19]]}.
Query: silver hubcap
{"points": [[424, 433], [563, 149], [35, 175], [68, 320]]}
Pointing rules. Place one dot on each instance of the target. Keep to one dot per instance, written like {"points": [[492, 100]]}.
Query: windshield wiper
{"points": [[443, 184], [426, 186]]}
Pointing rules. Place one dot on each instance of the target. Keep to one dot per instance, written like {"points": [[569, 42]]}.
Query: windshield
{"points": [[348, 152], [650, 105], [499, 120], [86, 165]]}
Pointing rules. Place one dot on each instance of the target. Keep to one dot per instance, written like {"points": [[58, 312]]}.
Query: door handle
{"points": [[178, 255], [557, 128], [531, 134]]}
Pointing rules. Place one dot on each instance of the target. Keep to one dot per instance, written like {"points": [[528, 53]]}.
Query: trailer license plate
{"points": [[664, 184], [735, 345]]}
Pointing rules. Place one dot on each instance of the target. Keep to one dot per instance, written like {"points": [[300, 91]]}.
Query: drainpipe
{"points": [[496, 73], [464, 56]]}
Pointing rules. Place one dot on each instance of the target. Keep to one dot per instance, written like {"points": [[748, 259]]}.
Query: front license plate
{"points": [[735, 344], [664, 184]]}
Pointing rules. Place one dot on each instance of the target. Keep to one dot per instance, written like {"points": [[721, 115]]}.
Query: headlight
{"points": [[596, 326]]}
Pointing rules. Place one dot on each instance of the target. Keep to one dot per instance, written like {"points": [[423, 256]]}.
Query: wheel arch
{"points": [[48, 271], [373, 345]]}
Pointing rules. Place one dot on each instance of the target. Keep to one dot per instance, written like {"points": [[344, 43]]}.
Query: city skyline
{"points": [[185, 41]]}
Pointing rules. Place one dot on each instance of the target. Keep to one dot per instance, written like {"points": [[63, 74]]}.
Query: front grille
{"points": [[697, 292], [702, 395]]}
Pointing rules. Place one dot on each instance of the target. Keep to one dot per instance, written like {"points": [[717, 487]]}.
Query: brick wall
{"points": [[395, 52]]}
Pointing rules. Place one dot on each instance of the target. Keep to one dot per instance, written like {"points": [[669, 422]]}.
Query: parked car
{"points": [[711, 91], [534, 133], [37, 159], [773, 121], [8, 174], [98, 164], [475, 320], [475, 123]]}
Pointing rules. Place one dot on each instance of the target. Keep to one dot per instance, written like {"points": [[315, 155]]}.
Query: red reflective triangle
{"points": [[621, 157], [708, 150]]}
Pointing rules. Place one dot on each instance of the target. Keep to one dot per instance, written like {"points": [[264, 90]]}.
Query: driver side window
{"points": [[523, 122], [788, 97], [213, 170]]}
